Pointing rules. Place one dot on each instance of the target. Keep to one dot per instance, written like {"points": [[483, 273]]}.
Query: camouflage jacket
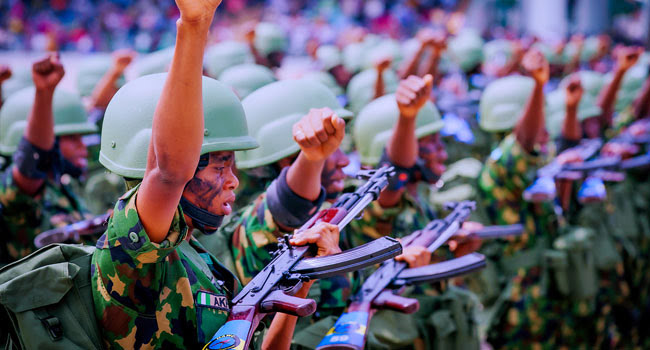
{"points": [[23, 217], [172, 294], [507, 173]]}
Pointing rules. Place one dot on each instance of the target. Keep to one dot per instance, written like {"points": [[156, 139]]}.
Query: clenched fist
{"points": [[197, 10], [412, 93], [48, 72], [122, 59], [383, 64], [626, 57], [319, 133], [574, 91], [536, 65], [5, 73]]}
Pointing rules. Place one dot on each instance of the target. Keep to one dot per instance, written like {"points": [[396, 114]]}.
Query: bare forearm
{"points": [[303, 177], [607, 98], [178, 121], [532, 121], [379, 85], [105, 89], [40, 124], [402, 148], [410, 67], [571, 128], [432, 64]]}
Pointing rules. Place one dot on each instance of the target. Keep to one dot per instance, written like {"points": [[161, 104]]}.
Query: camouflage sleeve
{"points": [[125, 261], [21, 217], [509, 170], [253, 239]]}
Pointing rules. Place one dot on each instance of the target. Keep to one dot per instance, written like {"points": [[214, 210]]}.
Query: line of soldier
{"points": [[182, 142]]}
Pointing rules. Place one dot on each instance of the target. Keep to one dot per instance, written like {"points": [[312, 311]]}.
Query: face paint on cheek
{"points": [[206, 191]]}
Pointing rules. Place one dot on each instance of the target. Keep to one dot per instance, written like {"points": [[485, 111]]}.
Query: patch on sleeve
{"points": [[213, 301]]}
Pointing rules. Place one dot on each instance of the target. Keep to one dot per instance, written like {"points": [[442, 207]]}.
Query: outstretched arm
{"points": [[571, 130], [107, 86], [531, 126], [177, 131], [626, 58], [46, 73], [402, 149]]}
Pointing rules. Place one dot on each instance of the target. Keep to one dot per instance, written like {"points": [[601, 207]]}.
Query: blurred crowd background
{"points": [[148, 25]]}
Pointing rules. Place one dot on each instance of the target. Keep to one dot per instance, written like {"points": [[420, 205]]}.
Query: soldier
{"points": [[268, 43], [36, 192], [153, 284]]}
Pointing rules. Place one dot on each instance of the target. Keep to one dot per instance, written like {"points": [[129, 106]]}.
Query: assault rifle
{"points": [[272, 289], [381, 289], [73, 232], [500, 231]]}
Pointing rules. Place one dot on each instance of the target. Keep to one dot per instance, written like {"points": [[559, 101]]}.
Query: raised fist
{"points": [[197, 10], [412, 93], [574, 91], [383, 63], [626, 57], [5, 73], [536, 65], [122, 59], [319, 133], [48, 72]]}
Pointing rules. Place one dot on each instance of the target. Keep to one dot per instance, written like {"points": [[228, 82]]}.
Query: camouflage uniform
{"points": [[172, 294], [530, 313], [23, 217]]}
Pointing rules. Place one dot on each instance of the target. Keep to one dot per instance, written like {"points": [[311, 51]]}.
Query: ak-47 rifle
{"points": [[272, 289], [380, 288], [500, 231], [73, 232]]}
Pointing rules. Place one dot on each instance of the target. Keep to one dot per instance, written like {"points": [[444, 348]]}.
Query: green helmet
{"points": [[556, 110], [325, 79], [329, 56], [246, 78], [20, 79], [499, 50], [269, 38], [155, 62], [126, 131], [592, 82], [552, 56], [271, 122], [386, 48], [91, 71], [589, 50], [353, 57], [68, 110], [630, 86], [466, 49], [373, 126], [502, 102], [362, 87], [226, 54]]}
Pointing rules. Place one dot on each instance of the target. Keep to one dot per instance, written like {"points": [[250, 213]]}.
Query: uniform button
{"points": [[134, 237]]}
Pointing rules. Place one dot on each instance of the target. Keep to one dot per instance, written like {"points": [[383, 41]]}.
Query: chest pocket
{"points": [[210, 292]]}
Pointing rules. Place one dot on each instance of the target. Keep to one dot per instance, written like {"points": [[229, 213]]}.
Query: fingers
{"points": [[318, 127], [414, 91], [324, 235], [415, 256]]}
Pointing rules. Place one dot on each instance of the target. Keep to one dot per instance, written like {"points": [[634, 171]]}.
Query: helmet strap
{"points": [[201, 218]]}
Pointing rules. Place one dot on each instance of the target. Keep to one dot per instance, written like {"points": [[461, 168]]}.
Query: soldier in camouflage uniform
{"points": [[49, 156], [153, 283]]}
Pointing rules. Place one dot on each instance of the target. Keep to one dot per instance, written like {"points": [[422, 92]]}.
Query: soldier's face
{"points": [[74, 150], [212, 188], [332, 178], [432, 150]]}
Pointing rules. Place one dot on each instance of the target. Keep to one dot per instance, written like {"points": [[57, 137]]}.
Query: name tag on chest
{"points": [[211, 300]]}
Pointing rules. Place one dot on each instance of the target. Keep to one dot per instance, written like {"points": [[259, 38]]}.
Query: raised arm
{"points": [[642, 102], [39, 133], [402, 148], [574, 62], [319, 134], [380, 67], [107, 86], [5, 73], [530, 126], [626, 57], [177, 131], [571, 130], [250, 40], [438, 46]]}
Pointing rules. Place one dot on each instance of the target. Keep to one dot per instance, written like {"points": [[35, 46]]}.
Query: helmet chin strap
{"points": [[201, 218]]}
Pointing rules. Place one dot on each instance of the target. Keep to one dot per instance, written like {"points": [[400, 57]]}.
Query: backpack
{"points": [[46, 300]]}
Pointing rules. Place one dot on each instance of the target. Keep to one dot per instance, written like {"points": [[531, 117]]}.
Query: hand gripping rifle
{"points": [[379, 290], [73, 232], [272, 289]]}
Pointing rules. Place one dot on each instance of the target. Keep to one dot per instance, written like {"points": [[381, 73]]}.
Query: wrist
{"points": [[571, 108], [198, 24], [45, 91]]}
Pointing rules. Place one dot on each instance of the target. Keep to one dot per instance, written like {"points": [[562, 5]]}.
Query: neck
{"points": [[190, 227]]}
